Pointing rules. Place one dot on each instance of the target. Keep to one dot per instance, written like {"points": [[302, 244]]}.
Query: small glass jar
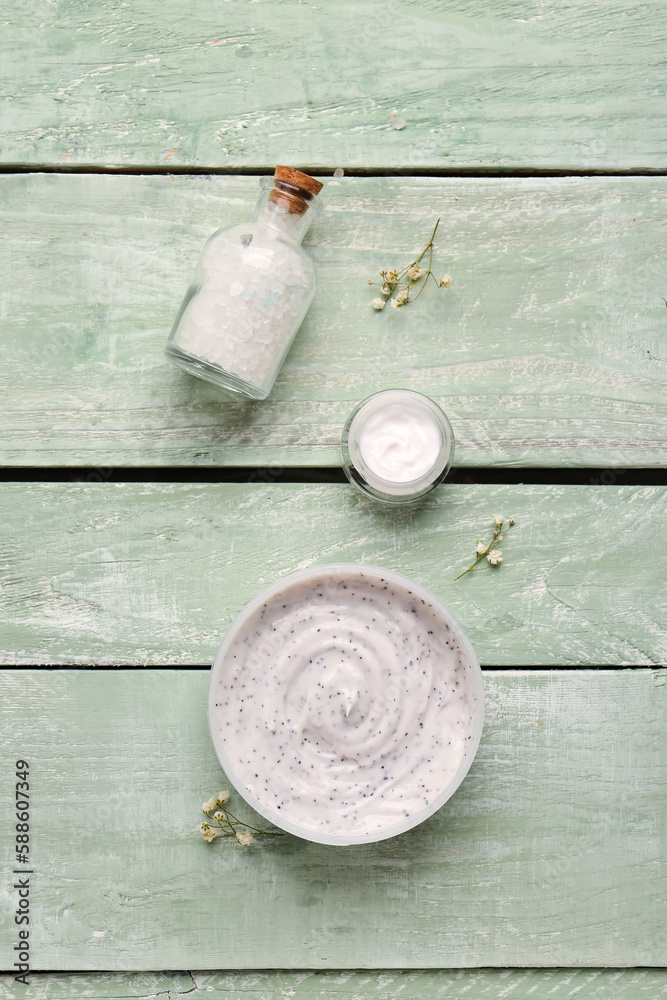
{"points": [[397, 446], [250, 292]]}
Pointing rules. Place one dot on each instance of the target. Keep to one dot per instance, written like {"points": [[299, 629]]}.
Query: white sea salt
{"points": [[251, 290]]}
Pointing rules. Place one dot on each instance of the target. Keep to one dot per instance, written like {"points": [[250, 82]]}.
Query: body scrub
{"points": [[346, 704], [397, 446]]}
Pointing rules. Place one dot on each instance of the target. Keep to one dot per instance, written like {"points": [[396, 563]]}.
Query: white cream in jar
{"points": [[397, 446], [400, 442], [346, 704]]}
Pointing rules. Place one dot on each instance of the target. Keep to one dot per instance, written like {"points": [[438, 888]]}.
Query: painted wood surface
{"points": [[549, 349], [249, 84], [551, 853], [477, 984], [155, 574]]}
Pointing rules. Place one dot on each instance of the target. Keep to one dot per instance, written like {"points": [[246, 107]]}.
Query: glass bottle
{"points": [[397, 446], [251, 290]]}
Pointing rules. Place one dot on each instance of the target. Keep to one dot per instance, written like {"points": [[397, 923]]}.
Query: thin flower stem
{"points": [[478, 559], [230, 821], [421, 289], [429, 245], [497, 533], [239, 822], [409, 290], [230, 816]]}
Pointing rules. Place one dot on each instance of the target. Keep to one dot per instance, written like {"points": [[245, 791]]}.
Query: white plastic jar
{"points": [[397, 446]]}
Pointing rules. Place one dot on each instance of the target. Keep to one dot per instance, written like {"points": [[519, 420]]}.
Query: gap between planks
{"points": [[659, 672], [537, 476], [263, 171]]}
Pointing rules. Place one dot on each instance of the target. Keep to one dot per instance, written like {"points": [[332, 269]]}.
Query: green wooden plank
{"points": [[247, 84], [549, 349], [154, 574], [99, 986], [551, 853], [479, 984]]}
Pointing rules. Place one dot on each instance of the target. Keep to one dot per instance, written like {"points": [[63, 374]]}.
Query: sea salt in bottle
{"points": [[251, 290], [397, 446]]}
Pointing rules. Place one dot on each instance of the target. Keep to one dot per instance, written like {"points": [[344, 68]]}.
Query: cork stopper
{"points": [[293, 190]]}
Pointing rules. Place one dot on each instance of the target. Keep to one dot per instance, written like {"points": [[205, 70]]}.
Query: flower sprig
{"points": [[490, 551], [228, 824], [400, 287]]}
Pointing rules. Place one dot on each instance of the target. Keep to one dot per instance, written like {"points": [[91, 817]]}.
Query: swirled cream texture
{"points": [[345, 705], [400, 442]]}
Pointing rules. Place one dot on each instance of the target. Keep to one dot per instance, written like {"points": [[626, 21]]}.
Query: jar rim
{"points": [[377, 486]]}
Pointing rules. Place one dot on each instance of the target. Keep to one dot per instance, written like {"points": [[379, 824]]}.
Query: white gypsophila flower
{"points": [[395, 304], [495, 557], [386, 289], [403, 296], [219, 816], [480, 548], [244, 838], [391, 276], [378, 303], [445, 280], [222, 797], [209, 806], [208, 833], [498, 519], [414, 273]]}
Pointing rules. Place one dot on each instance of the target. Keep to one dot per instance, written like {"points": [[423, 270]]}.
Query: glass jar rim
{"points": [[390, 489]]}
